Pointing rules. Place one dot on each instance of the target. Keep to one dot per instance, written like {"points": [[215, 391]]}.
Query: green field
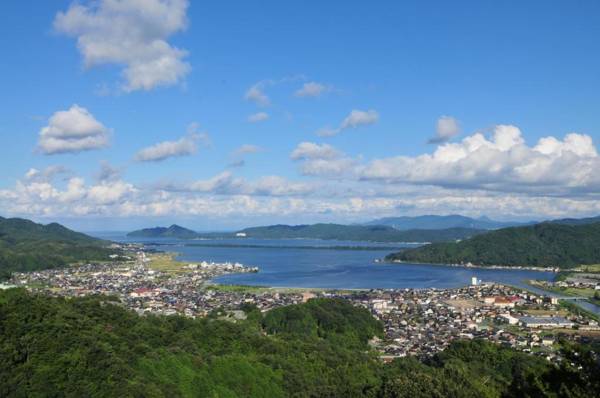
{"points": [[166, 262], [589, 268]]}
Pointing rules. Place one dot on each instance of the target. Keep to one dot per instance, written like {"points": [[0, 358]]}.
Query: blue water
{"points": [[295, 265]]}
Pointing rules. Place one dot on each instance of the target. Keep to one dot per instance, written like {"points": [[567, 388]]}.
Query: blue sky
{"points": [[147, 70]]}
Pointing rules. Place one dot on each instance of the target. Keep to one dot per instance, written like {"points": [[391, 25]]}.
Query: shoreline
{"points": [[507, 267]]}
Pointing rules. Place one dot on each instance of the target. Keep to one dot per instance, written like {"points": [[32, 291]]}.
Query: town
{"points": [[417, 322]]}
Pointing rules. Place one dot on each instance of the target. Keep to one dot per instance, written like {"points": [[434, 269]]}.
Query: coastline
{"points": [[469, 265]]}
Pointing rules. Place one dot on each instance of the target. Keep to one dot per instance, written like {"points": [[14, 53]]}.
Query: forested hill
{"points": [[174, 231], [375, 233], [27, 246], [86, 347], [540, 245]]}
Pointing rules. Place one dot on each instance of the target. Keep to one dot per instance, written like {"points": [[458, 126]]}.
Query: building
{"points": [[511, 320], [503, 302], [545, 322]]}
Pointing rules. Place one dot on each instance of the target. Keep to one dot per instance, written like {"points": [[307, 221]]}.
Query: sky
{"points": [[120, 114]]}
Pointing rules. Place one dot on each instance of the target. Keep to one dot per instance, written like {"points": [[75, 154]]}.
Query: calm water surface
{"points": [[314, 263]]}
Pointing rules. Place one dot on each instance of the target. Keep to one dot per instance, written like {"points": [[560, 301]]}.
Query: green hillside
{"points": [[174, 231], [375, 233], [86, 347], [27, 246], [540, 245]]}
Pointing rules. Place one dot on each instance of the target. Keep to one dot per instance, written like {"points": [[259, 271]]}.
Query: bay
{"points": [[327, 264]]}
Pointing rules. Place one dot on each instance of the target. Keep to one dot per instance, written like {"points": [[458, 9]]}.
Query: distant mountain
{"points": [[549, 244], [174, 231], [26, 246], [441, 222], [576, 221], [376, 233]]}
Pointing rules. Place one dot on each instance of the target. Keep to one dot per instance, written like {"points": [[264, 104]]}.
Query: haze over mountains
{"points": [[443, 222], [375, 233]]}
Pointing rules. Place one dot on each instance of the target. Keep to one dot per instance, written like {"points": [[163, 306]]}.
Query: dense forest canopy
{"points": [[28, 246], [90, 347], [541, 245]]}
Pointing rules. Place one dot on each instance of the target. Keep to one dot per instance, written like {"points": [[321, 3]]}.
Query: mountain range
{"points": [[443, 222], [375, 233]]}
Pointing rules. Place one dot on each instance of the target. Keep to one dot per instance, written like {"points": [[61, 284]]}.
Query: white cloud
{"points": [[221, 183], [109, 192], [132, 33], [72, 131], [46, 174], [310, 150], [358, 118], [312, 89], [256, 94], [226, 183], [323, 160], [336, 168], [185, 146], [258, 117], [225, 197], [447, 127], [503, 163], [355, 119]]}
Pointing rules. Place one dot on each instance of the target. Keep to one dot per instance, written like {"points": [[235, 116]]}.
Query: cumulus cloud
{"points": [[185, 146], [322, 160], [355, 119], [131, 33], [503, 162], [258, 117], [310, 150], [447, 127], [257, 95], [312, 89], [226, 183], [225, 196], [47, 174], [42, 198], [72, 131], [358, 118]]}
